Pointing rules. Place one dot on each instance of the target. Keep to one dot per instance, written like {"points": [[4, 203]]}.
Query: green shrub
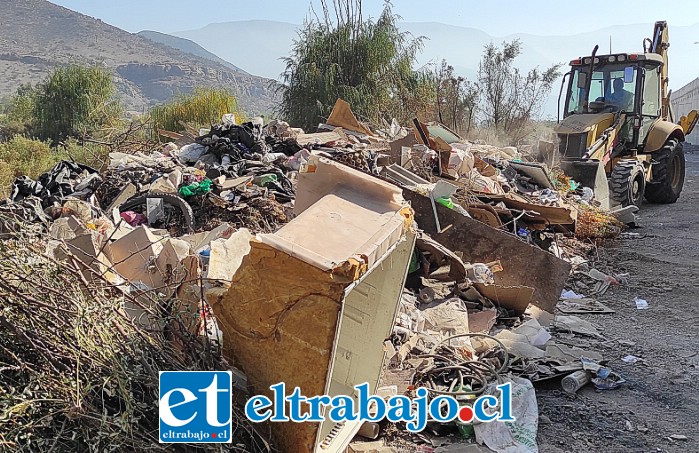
{"points": [[6, 178], [74, 101], [22, 105], [202, 108], [5, 105], [10, 128], [18, 113], [24, 156]]}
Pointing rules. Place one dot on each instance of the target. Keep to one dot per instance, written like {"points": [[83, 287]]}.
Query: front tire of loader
{"points": [[628, 182], [667, 173]]}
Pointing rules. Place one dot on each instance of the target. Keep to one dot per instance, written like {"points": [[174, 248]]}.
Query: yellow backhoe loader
{"points": [[618, 135]]}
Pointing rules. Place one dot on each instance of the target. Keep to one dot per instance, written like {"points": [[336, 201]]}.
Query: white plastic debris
{"points": [[481, 273], [297, 160], [601, 276], [155, 210], [630, 359], [163, 184], [641, 304], [270, 158], [537, 335], [169, 148], [567, 294], [190, 153], [677, 437], [228, 119]]}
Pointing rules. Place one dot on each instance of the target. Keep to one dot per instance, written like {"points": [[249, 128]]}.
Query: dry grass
{"points": [[594, 223], [76, 374]]}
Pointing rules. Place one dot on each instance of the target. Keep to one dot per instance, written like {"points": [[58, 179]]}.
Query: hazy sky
{"points": [[496, 17]]}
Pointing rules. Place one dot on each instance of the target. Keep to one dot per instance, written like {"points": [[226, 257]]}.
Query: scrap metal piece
{"points": [[523, 264]]}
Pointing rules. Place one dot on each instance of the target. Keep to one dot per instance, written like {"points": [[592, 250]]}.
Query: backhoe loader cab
{"points": [[617, 134], [618, 85]]}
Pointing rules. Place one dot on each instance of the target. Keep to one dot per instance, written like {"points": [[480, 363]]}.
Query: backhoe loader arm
{"points": [[659, 45]]}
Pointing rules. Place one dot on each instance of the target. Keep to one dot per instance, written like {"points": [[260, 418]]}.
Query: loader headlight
{"points": [[612, 59], [621, 58]]}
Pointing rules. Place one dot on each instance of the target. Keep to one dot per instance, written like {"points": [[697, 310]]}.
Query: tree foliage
{"points": [[22, 104], [73, 101], [18, 118], [203, 107], [368, 63], [509, 98], [457, 98]]}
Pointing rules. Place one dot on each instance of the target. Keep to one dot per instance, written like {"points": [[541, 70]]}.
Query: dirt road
{"points": [[661, 397]]}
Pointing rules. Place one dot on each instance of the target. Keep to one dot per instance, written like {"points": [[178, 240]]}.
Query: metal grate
{"points": [[325, 444], [572, 145]]}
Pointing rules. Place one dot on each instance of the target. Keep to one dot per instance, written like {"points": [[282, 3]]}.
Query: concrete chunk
{"points": [[199, 241], [226, 256]]}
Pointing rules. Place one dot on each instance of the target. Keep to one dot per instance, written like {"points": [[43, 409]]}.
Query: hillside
{"points": [[38, 35], [186, 45], [262, 43]]}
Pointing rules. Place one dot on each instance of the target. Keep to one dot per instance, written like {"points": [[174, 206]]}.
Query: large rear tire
{"points": [[628, 182], [667, 177]]}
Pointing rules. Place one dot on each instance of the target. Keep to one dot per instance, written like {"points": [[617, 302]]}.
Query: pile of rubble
{"points": [[406, 255]]}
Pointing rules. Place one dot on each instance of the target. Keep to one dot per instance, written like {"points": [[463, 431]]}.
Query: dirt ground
{"points": [[661, 397]]}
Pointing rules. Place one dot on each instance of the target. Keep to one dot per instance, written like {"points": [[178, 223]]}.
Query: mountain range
{"points": [[36, 35], [261, 44], [187, 46], [247, 56]]}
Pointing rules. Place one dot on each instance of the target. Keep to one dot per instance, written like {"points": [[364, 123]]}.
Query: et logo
{"points": [[196, 406]]}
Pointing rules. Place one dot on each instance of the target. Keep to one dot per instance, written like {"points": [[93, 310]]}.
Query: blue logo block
{"points": [[196, 406]]}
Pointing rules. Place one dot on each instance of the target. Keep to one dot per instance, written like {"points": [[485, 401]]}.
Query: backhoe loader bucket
{"points": [[688, 122], [589, 173]]}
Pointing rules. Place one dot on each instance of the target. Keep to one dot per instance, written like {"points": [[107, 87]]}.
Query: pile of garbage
{"points": [[501, 186], [255, 247]]}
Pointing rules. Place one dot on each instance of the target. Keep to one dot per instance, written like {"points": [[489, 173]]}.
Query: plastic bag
{"points": [[197, 188], [189, 153], [518, 436]]}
